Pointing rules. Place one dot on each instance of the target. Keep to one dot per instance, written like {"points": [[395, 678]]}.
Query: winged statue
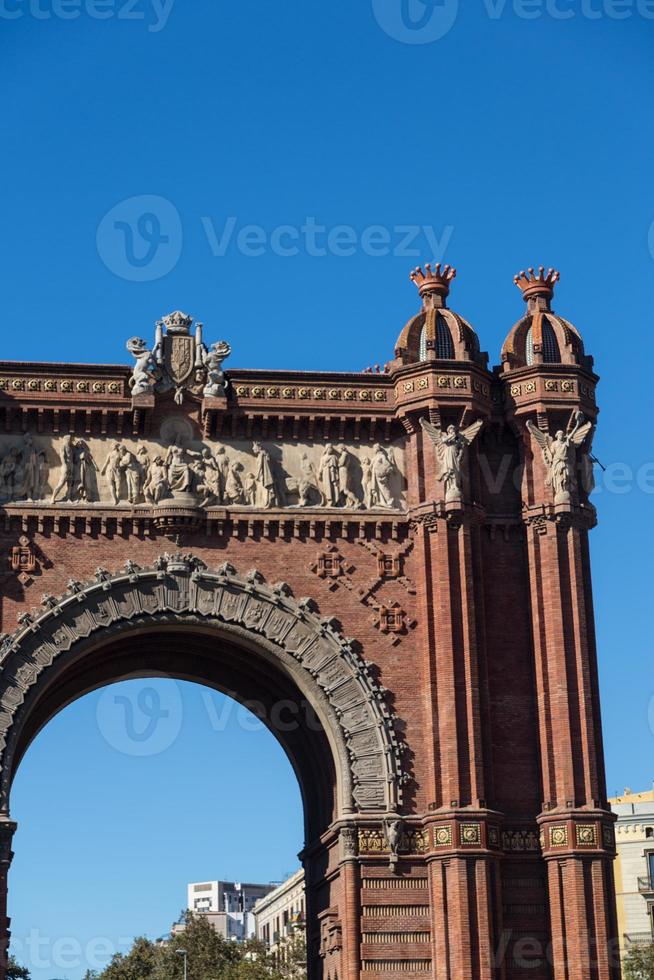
{"points": [[560, 457], [452, 446]]}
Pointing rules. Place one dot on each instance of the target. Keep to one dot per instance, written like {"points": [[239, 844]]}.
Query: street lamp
{"points": [[182, 952]]}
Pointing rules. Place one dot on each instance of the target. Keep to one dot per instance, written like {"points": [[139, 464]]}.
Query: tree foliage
{"points": [[639, 963], [15, 971], [209, 957]]}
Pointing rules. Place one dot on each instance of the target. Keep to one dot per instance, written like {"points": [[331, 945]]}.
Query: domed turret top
{"points": [[542, 337], [437, 333]]}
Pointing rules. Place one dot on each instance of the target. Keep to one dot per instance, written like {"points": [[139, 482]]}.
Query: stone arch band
{"points": [[369, 754]]}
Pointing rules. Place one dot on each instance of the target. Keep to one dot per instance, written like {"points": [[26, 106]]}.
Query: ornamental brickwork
{"points": [[400, 559]]}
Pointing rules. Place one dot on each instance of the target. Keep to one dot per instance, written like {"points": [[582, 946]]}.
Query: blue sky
{"points": [[218, 136]]}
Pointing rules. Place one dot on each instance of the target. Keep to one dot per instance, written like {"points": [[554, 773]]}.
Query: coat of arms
{"points": [[178, 360]]}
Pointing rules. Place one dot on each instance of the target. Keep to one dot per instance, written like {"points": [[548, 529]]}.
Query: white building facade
{"points": [[229, 906], [282, 912]]}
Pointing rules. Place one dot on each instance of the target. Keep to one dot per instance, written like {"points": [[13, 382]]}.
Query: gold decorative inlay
{"points": [[443, 836], [586, 835], [471, 834]]}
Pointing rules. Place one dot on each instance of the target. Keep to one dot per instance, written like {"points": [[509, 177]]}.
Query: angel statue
{"points": [[451, 452], [212, 360], [146, 371], [393, 829], [560, 456]]}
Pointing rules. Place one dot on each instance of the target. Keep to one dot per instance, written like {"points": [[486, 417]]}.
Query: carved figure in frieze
{"points": [[209, 482], [452, 452], [250, 489], [234, 491], [560, 456], [223, 465], [156, 487], [269, 490], [328, 474], [180, 472], [143, 460], [349, 491], [10, 476], [366, 482], [147, 372], [67, 475], [212, 360], [112, 468], [32, 466], [129, 465], [308, 485], [86, 483], [384, 477], [78, 476], [42, 475]]}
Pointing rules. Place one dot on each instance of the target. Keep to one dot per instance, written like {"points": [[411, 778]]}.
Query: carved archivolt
{"points": [[181, 586]]}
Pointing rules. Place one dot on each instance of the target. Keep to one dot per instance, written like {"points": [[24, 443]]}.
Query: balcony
{"points": [[646, 885], [638, 939]]}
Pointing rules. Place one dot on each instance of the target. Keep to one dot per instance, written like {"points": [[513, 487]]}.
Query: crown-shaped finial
{"points": [[178, 322], [533, 285], [433, 280]]}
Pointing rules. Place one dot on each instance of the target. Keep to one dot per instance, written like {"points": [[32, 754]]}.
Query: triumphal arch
{"points": [[404, 552]]}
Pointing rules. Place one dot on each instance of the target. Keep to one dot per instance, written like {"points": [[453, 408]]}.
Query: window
{"points": [[444, 345], [551, 353]]}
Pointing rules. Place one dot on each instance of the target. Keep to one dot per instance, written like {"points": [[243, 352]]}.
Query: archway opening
{"points": [[128, 802], [254, 641], [129, 671]]}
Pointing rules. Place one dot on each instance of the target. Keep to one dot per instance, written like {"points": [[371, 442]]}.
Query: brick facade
{"points": [[488, 855]]}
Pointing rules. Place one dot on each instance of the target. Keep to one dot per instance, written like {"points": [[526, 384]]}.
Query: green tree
{"points": [[639, 963], [15, 971], [139, 964], [209, 955], [291, 957]]}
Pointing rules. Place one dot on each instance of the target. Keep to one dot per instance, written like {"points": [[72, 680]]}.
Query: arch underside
{"points": [[248, 639]]}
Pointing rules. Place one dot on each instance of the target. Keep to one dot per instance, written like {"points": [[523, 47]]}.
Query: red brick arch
{"points": [[456, 815], [177, 590]]}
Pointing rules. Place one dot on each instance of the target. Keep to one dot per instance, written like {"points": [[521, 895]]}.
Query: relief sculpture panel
{"points": [[176, 468]]}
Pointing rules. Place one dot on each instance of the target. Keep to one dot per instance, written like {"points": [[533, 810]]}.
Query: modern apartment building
{"points": [[228, 905]]}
